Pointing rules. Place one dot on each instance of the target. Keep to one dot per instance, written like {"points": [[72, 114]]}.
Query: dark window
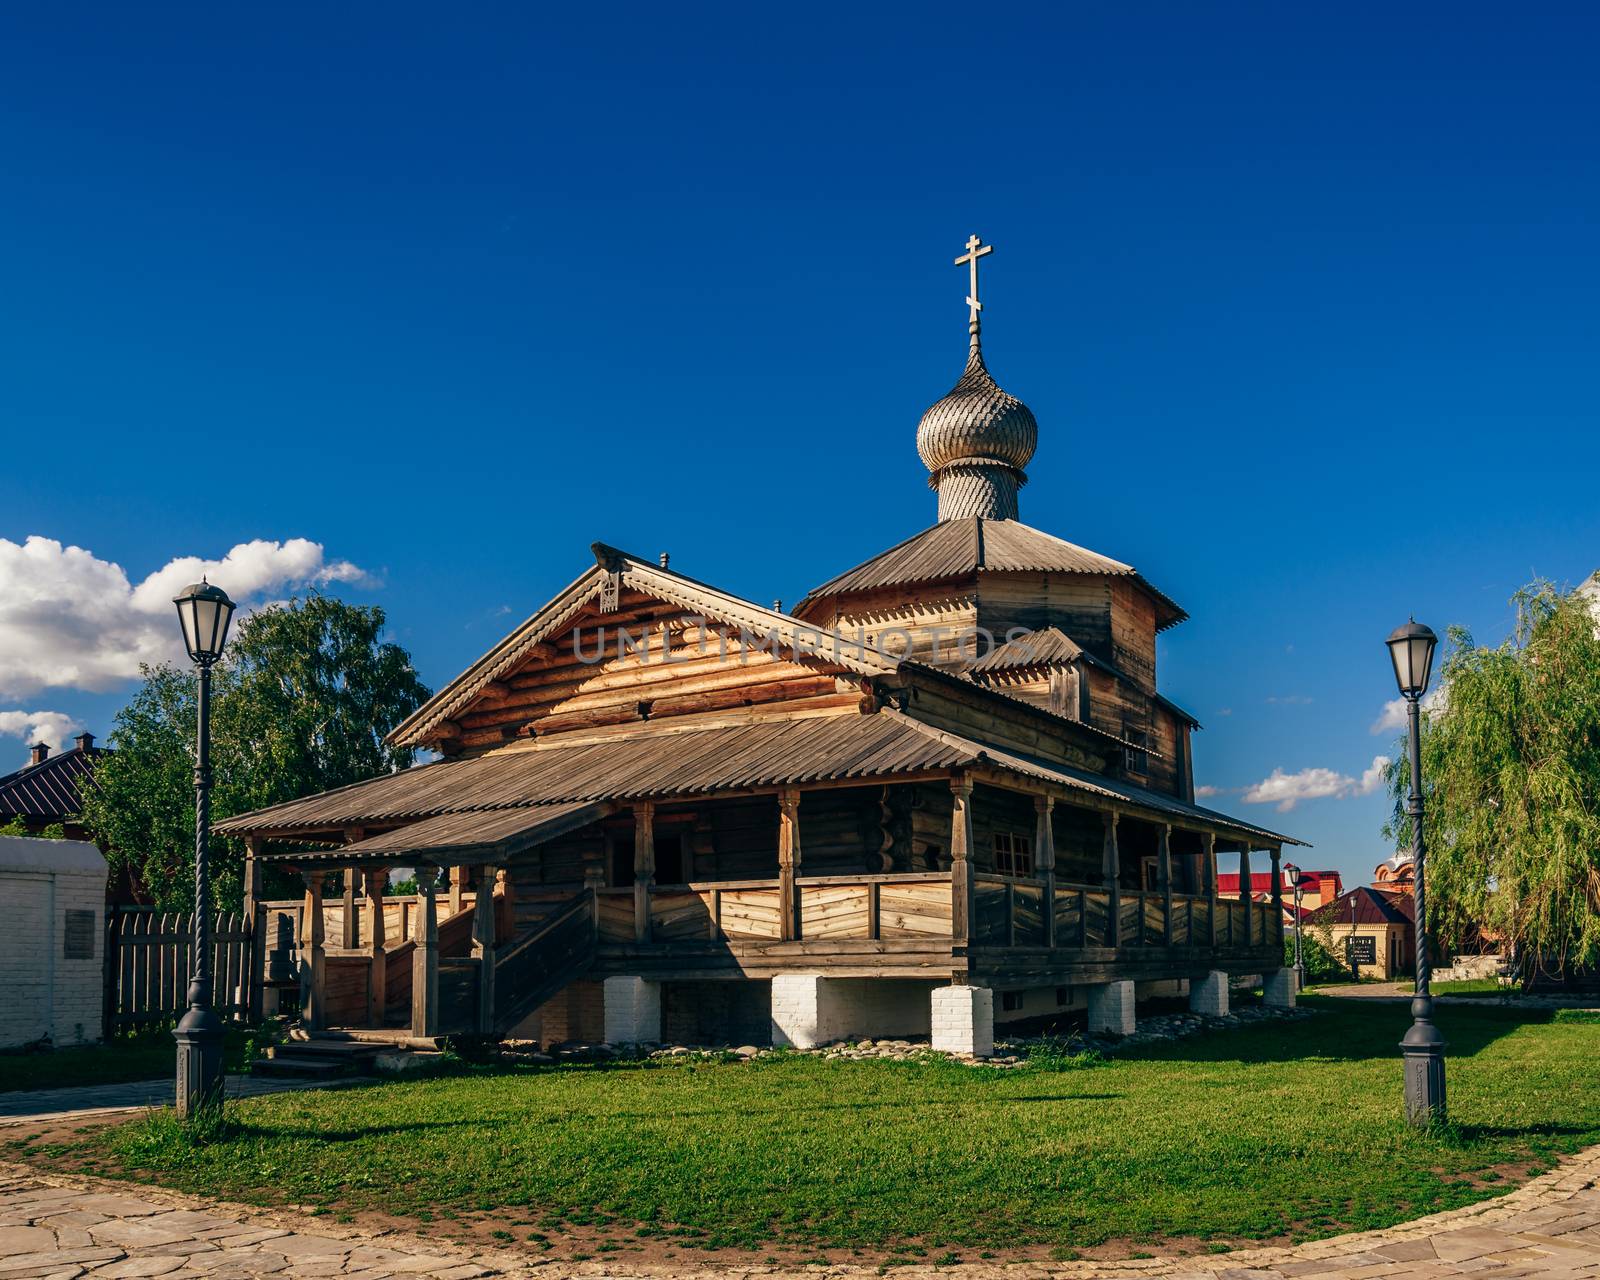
{"points": [[669, 859], [79, 936], [1061, 995], [621, 862], [1013, 854], [1010, 1001]]}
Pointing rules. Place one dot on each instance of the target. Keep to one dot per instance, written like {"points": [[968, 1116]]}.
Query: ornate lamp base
{"points": [[1423, 1050], [199, 1037]]}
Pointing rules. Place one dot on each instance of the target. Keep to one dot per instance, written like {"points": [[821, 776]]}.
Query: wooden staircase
{"points": [[530, 969]]}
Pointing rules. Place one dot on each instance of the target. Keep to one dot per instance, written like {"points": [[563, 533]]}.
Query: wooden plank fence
{"points": [[149, 956]]}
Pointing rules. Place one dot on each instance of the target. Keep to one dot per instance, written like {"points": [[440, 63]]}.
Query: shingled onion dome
{"points": [[975, 443]]}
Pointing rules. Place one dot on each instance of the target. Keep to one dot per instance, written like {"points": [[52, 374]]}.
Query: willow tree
{"points": [[1511, 769]]}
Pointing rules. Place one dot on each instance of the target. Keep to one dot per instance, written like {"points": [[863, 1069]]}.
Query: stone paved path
{"points": [[34, 1106], [67, 1227]]}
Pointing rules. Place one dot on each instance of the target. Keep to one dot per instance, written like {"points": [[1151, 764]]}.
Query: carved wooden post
{"points": [[1164, 870], [644, 866], [1245, 893], [256, 918], [483, 948], [1044, 861], [505, 907], [1209, 844], [788, 863], [594, 880], [377, 944], [1276, 853], [458, 880], [347, 925], [311, 954], [425, 959], [961, 868], [1111, 859]]}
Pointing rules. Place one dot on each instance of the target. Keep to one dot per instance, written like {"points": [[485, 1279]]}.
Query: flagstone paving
{"points": [[69, 1227]]}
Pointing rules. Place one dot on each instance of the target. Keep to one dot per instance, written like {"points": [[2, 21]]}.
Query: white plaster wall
{"points": [[48, 995], [808, 1009]]}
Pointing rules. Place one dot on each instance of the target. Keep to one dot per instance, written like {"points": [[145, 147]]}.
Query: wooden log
{"points": [[644, 866], [1113, 872], [789, 855], [425, 1012]]}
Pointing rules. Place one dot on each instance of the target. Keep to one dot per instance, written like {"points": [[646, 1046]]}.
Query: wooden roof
{"points": [[1046, 647], [762, 755], [957, 548], [488, 835], [52, 790], [662, 584]]}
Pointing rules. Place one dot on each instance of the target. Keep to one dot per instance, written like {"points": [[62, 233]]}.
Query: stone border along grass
{"points": [[1155, 1029], [1572, 1176]]}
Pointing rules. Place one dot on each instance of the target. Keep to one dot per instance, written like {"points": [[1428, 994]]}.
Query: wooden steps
{"points": [[338, 1053]]}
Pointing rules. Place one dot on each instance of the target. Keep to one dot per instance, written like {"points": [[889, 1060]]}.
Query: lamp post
{"points": [[205, 612], [1297, 883], [1411, 649]]}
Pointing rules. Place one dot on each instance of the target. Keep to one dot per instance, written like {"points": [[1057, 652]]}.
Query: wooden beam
{"points": [[483, 947], [1245, 893], [961, 867], [311, 954], [789, 855], [1209, 842], [255, 916], [644, 866], [425, 958], [1044, 860], [1111, 862], [1164, 871], [377, 882], [1276, 853]]}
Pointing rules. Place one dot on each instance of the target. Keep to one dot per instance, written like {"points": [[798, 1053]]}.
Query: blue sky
{"points": [[1303, 300]]}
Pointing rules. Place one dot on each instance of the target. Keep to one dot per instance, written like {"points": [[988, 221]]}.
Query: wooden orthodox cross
{"points": [[975, 250]]}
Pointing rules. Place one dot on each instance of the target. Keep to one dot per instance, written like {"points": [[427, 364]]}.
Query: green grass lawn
{"points": [[1276, 1129], [145, 1056]]}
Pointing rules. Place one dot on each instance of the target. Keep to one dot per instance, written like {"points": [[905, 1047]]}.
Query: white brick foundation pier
{"points": [[633, 1011], [963, 1021], [1111, 1007], [1208, 996], [1277, 989]]}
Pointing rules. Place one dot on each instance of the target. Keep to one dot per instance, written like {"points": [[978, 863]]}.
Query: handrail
{"points": [[516, 946]]}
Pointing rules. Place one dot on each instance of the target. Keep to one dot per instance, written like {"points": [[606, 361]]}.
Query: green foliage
{"points": [[16, 827], [1320, 962], [1511, 769], [300, 703]]}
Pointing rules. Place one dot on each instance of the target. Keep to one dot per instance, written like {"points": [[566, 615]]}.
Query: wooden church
{"points": [[944, 792]]}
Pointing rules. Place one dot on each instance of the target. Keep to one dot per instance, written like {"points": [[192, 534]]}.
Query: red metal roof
{"points": [[51, 791]]}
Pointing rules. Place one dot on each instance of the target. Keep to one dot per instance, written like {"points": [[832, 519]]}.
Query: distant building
{"points": [[1395, 873], [48, 791], [1316, 889], [1371, 928]]}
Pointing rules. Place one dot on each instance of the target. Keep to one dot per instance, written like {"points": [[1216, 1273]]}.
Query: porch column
{"points": [[1209, 844], [458, 881], [1044, 861], [1164, 870], [377, 947], [483, 947], [1276, 854], [1245, 892], [425, 959], [256, 918], [788, 863], [644, 866], [505, 907], [961, 869], [311, 953], [1111, 860], [347, 924]]}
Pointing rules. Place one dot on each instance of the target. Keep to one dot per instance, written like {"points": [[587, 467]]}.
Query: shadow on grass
{"points": [[1345, 1030]]}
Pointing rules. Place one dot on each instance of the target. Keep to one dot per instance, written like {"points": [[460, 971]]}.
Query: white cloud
{"points": [[1288, 789], [39, 726], [69, 619], [1206, 793], [1392, 718]]}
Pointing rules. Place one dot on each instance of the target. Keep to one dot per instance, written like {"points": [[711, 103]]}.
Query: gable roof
{"points": [[714, 605], [842, 748], [956, 548], [1045, 647], [52, 790], [1371, 906]]}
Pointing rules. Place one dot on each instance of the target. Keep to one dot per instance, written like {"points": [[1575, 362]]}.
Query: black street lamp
{"points": [[205, 612], [1411, 648], [1297, 880]]}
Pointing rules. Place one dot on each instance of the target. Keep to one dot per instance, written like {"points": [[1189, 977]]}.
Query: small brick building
{"points": [[52, 948]]}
